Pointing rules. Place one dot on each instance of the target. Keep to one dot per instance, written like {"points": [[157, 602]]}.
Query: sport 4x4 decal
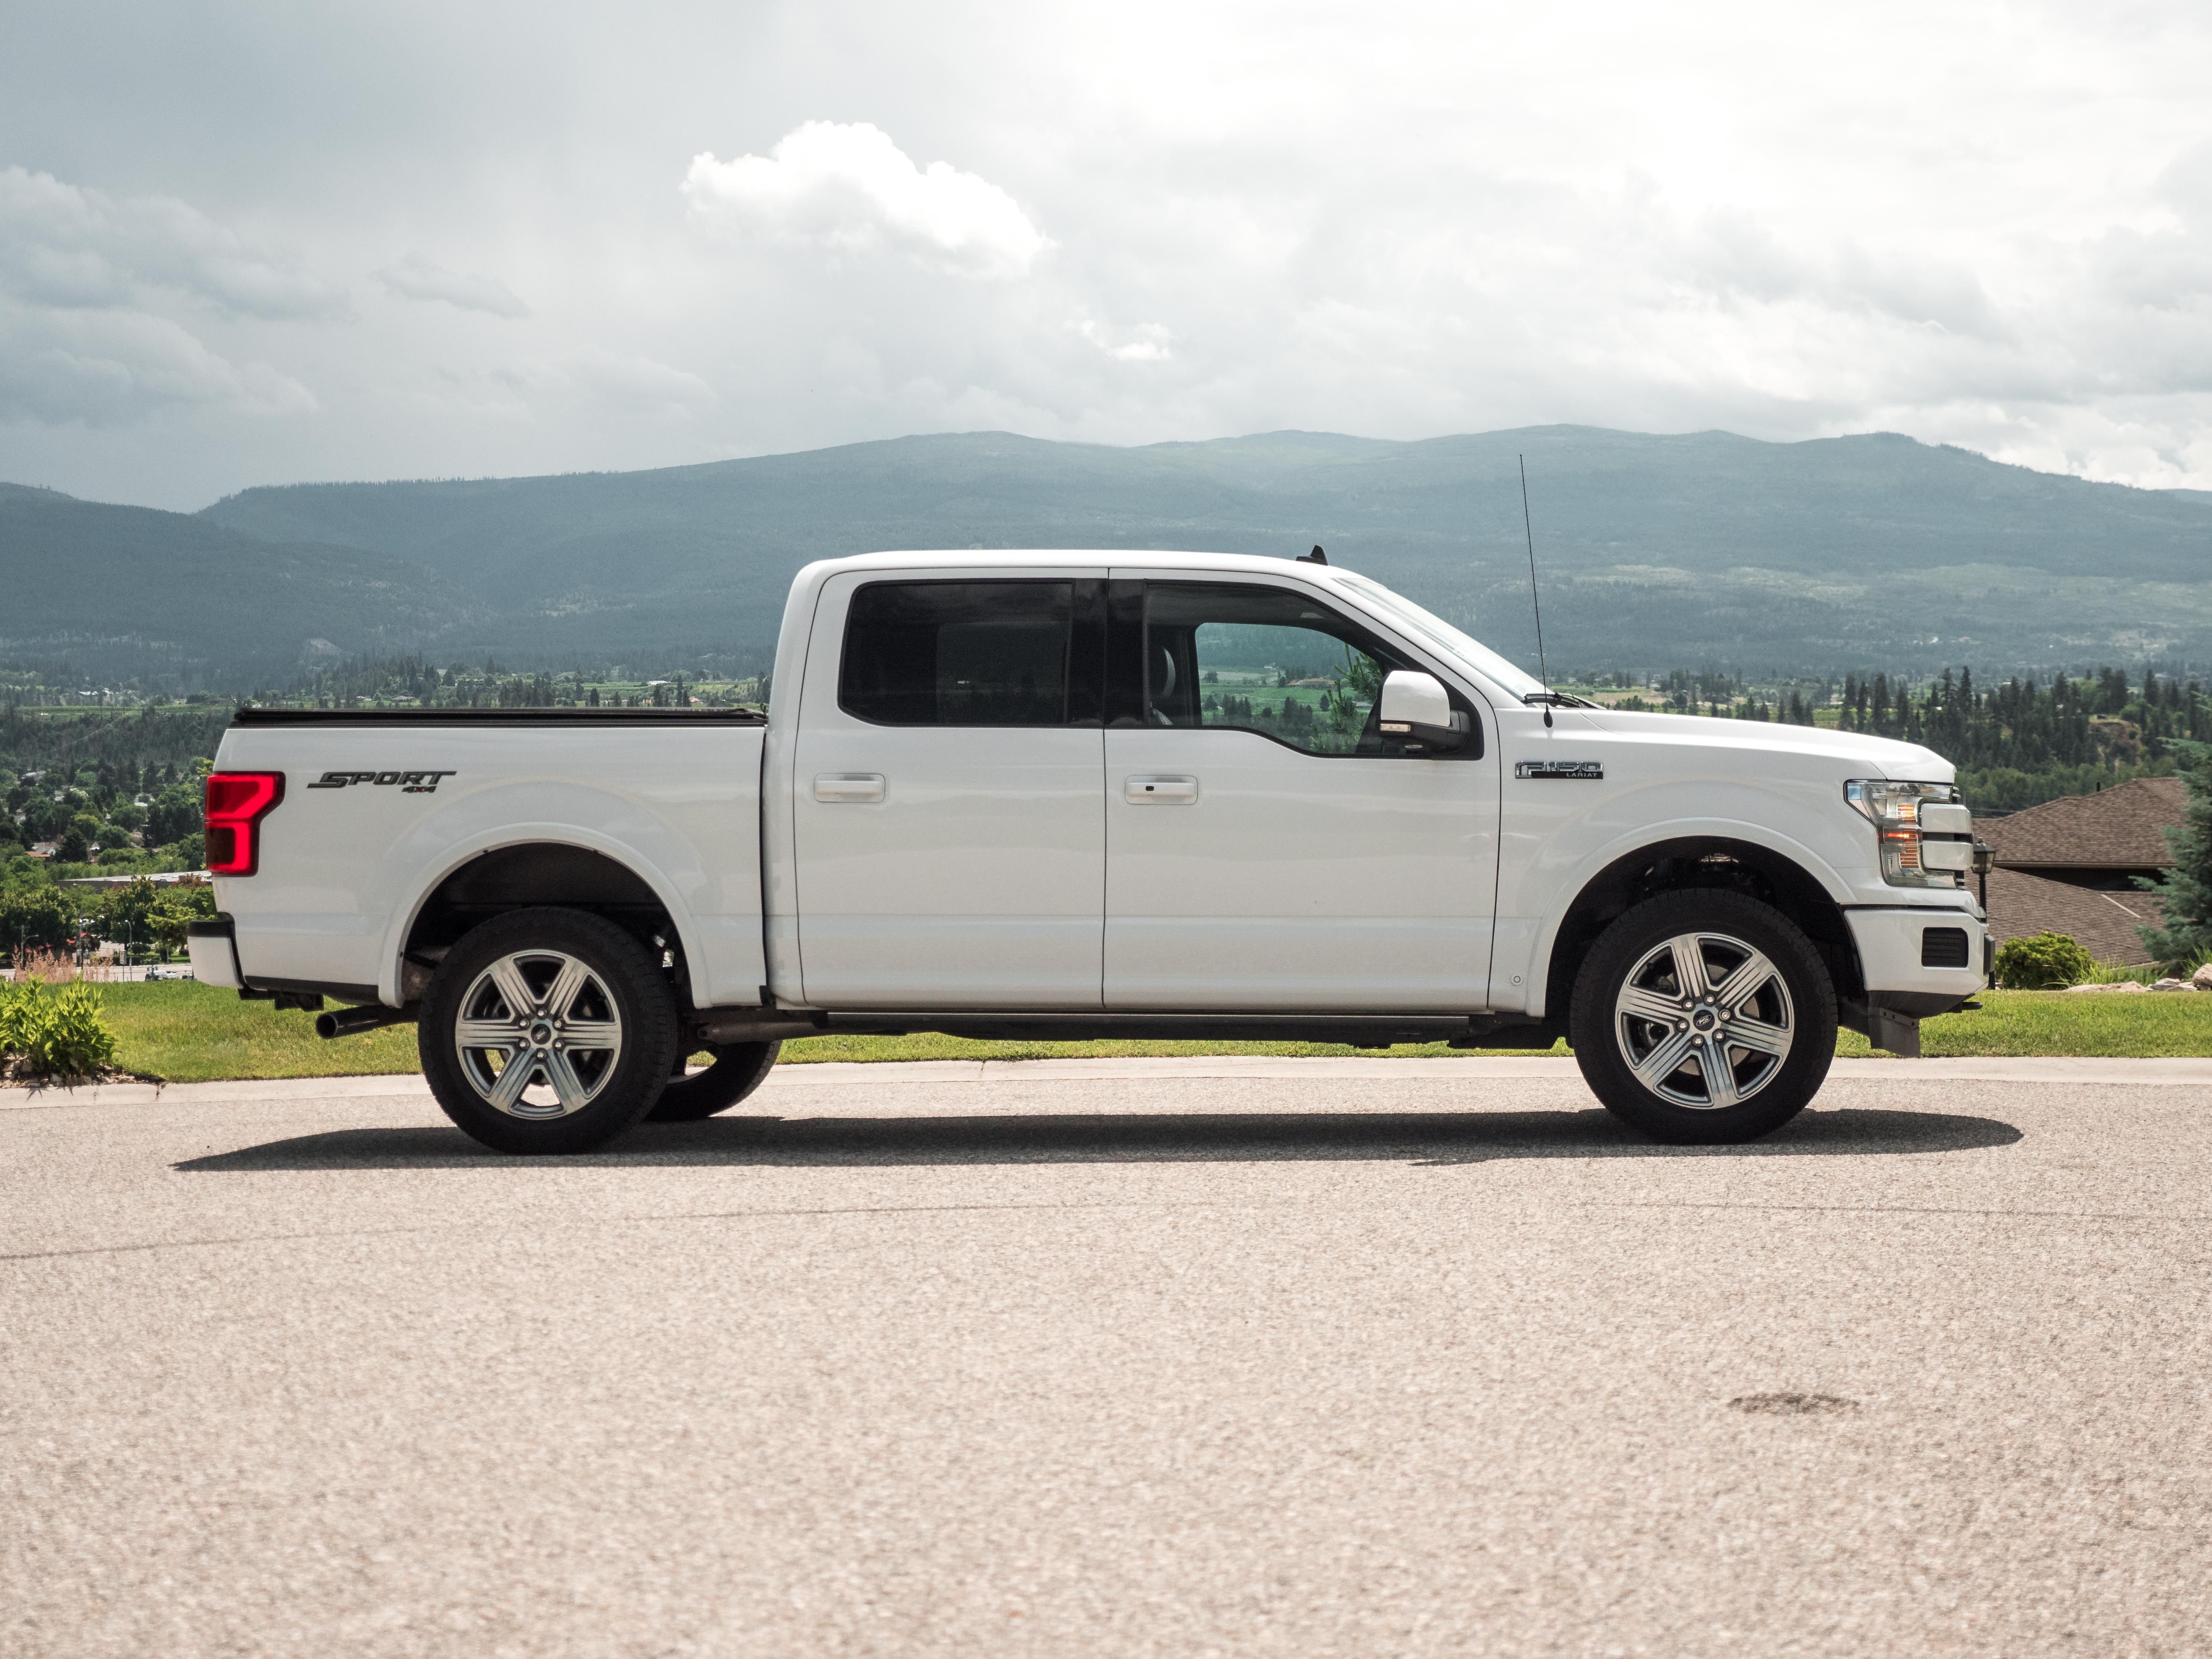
{"points": [[411, 783]]}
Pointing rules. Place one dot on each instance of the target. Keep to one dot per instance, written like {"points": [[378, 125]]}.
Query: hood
{"points": [[1860, 753]]}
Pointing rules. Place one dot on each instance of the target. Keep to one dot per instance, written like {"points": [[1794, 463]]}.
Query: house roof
{"points": [[158, 877], [2104, 923], [2115, 829]]}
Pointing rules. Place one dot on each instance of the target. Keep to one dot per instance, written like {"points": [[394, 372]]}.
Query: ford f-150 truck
{"points": [[1076, 795]]}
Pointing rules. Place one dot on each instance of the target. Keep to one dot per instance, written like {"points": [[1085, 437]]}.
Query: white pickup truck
{"points": [[1078, 795]]}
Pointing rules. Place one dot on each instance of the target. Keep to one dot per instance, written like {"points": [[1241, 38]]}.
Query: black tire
{"points": [[739, 1069], [1638, 963], [607, 1025]]}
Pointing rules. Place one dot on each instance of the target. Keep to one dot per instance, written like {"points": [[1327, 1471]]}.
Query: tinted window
{"points": [[1263, 659], [959, 654]]}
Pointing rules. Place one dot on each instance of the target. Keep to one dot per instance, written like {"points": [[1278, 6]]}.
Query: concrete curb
{"points": [[2197, 1073], [272, 1089]]}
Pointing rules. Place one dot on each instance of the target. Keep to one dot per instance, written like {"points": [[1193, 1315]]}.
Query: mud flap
{"points": [[1899, 1033]]}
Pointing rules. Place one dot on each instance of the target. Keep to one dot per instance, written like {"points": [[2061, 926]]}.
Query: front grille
{"points": [[1943, 947]]}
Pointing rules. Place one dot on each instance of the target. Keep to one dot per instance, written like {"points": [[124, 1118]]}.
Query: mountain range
{"points": [[1866, 552]]}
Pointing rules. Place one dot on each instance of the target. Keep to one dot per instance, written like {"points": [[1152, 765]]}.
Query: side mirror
{"points": [[1416, 709]]}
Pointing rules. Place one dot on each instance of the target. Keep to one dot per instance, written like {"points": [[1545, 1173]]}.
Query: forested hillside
{"points": [[1861, 555], [1866, 553], [166, 599]]}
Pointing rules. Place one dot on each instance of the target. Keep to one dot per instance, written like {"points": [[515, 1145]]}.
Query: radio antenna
{"points": [[1529, 526]]}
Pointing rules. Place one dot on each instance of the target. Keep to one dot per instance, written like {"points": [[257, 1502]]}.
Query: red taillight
{"points": [[236, 804]]}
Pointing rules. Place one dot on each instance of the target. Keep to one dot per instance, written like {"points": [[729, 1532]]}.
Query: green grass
{"points": [[2158, 1024], [189, 1033], [196, 1034]]}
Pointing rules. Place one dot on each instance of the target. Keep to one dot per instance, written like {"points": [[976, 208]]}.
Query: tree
{"points": [[125, 912], [2186, 888], [34, 918], [177, 906], [174, 815]]}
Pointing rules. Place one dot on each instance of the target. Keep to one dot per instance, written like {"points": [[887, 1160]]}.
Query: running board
{"points": [[1357, 1030]]}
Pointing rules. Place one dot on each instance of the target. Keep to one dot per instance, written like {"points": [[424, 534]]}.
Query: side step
{"points": [[1357, 1030]]}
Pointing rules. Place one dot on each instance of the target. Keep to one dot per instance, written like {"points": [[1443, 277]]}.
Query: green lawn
{"points": [[2154, 1025], [191, 1033]]}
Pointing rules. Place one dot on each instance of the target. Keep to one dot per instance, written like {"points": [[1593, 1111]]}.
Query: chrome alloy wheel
{"points": [[538, 1035], [1704, 1021]]}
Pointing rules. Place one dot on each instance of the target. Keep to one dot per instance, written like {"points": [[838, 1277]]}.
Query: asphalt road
{"points": [[1361, 1359]]}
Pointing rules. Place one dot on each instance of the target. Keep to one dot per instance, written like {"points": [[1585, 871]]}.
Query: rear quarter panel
{"points": [[344, 871]]}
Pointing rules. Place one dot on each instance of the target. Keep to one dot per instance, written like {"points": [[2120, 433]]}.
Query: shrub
{"points": [[2043, 962], [56, 1032], [17, 998], [2121, 972]]}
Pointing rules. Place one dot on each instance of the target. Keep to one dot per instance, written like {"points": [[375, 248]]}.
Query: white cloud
{"points": [[103, 368], [850, 190], [1408, 218], [84, 278], [65, 246], [626, 384], [1147, 342], [604, 385], [417, 277]]}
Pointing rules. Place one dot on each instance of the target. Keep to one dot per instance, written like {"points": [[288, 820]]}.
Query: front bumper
{"points": [[1920, 950], [1916, 960]]}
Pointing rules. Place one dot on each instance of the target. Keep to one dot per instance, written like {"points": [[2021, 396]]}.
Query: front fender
{"points": [[1542, 933]]}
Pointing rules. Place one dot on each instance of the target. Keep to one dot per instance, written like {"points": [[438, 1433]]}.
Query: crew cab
{"points": [[1089, 794]]}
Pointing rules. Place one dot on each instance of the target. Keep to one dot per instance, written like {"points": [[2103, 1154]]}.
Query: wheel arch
{"points": [[545, 870], [1688, 862]]}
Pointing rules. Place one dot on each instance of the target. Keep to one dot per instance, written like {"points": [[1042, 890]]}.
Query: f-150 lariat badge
{"points": [[411, 783], [1558, 769]]}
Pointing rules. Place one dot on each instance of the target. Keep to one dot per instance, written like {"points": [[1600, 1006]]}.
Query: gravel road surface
{"points": [[1356, 1358]]}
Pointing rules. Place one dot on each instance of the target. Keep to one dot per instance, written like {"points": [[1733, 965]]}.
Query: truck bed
{"points": [[390, 817]]}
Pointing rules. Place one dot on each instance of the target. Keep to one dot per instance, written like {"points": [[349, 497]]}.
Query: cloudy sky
{"points": [[250, 243]]}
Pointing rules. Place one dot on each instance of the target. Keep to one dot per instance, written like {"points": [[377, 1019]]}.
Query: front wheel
{"points": [[547, 1031], [1704, 1016]]}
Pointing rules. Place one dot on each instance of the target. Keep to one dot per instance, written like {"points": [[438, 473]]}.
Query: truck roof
{"points": [[1071, 557]]}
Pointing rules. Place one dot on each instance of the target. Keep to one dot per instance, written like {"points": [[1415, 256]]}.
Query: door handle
{"points": [[1159, 790], [849, 786]]}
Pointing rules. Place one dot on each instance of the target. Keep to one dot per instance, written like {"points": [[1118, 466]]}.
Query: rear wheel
{"points": [[547, 1031], [739, 1069], [1704, 1016]]}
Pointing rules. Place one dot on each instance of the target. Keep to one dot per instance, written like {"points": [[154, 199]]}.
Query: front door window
{"points": [[1238, 657]]}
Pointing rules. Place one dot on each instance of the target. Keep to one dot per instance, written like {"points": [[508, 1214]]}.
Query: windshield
{"points": [[1471, 652]]}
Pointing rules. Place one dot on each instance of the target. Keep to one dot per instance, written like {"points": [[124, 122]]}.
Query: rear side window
{"points": [[959, 654]]}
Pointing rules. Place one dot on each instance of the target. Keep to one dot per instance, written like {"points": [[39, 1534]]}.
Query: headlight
{"points": [[1925, 833]]}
